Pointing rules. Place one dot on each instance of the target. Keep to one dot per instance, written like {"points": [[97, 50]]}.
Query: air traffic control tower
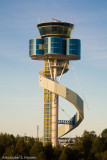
{"points": [[56, 49]]}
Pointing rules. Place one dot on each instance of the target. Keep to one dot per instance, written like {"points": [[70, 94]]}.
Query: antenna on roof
{"points": [[71, 19], [55, 20], [38, 19], [63, 17]]}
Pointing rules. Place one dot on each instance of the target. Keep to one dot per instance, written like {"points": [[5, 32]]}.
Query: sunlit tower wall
{"points": [[56, 48]]}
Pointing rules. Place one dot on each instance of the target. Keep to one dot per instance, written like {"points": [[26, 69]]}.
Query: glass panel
{"points": [[47, 135], [43, 30], [56, 39], [47, 139], [56, 45], [47, 71], [32, 52], [60, 29], [47, 128], [32, 41], [46, 90], [40, 52], [37, 46], [39, 41], [47, 101], [46, 64], [47, 68], [47, 105], [47, 109], [32, 47], [46, 46], [69, 31], [47, 94], [46, 51], [65, 30], [46, 116], [48, 30], [47, 120], [48, 98], [46, 40], [46, 131], [48, 113], [48, 76], [56, 50], [47, 124], [54, 29], [77, 47]]}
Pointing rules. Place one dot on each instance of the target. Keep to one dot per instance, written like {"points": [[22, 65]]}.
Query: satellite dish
{"points": [[55, 20]]}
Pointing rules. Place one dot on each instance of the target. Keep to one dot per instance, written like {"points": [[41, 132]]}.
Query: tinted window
{"points": [[54, 30], [60, 30], [48, 30], [65, 29]]}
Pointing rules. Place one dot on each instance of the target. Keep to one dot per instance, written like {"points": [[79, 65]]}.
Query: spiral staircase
{"points": [[69, 95]]}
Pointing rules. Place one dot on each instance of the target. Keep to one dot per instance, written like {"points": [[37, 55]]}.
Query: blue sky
{"points": [[21, 97]]}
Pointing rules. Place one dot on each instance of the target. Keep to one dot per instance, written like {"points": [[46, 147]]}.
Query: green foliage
{"points": [[63, 155], [21, 148], [104, 133], [57, 152], [41, 156], [78, 143], [48, 150], [97, 145], [6, 140], [92, 156], [104, 155], [87, 143], [36, 149], [10, 151], [98, 156], [87, 147]]}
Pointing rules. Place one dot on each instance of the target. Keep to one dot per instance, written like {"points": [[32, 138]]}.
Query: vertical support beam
{"points": [[62, 71], [50, 69], [37, 131], [47, 109], [55, 111]]}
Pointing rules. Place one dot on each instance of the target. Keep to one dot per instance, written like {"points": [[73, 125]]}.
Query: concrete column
{"points": [[55, 112]]}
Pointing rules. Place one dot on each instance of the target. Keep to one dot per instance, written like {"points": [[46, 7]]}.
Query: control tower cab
{"points": [[55, 42]]}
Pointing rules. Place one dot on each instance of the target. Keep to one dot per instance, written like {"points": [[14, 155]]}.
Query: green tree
{"points": [[78, 143], [63, 155], [10, 151], [97, 145], [104, 133], [75, 154], [57, 152], [86, 143], [36, 149], [41, 156], [6, 140], [105, 144], [21, 148], [48, 150], [92, 156], [104, 155], [98, 156]]}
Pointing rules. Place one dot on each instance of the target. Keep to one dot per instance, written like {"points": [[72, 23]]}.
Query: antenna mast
{"points": [[37, 131]]}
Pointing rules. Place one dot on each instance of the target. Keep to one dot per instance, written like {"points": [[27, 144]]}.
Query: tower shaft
{"points": [[55, 111], [50, 126]]}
